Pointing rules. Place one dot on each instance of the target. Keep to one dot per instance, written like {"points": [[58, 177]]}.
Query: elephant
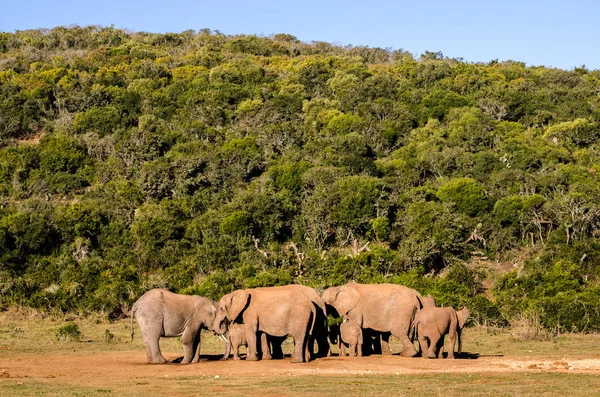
{"points": [[275, 311], [163, 313], [236, 337], [350, 334], [426, 301], [386, 308], [433, 323], [319, 333]]}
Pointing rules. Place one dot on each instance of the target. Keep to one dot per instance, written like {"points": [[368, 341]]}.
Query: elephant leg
{"points": [[227, 352], [151, 338], [148, 346], [424, 346], [264, 347], [300, 341], [236, 349], [433, 345], [196, 348], [149, 358], [419, 347], [451, 342], [342, 349], [310, 347], [156, 356], [323, 345], [352, 347], [385, 344], [253, 340], [307, 353], [452, 336], [187, 339], [440, 348], [359, 348], [408, 349]]}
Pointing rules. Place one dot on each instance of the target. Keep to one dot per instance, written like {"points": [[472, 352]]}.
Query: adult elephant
{"points": [[276, 312], [386, 308], [320, 330], [163, 313]]}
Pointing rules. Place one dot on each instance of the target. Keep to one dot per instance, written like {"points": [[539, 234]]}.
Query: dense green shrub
{"points": [[202, 162], [69, 332], [467, 195]]}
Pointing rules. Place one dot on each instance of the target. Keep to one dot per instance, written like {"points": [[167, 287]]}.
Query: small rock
{"points": [[217, 376]]}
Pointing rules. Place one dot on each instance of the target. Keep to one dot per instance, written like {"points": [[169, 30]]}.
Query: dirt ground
{"points": [[33, 362], [89, 367], [113, 371]]}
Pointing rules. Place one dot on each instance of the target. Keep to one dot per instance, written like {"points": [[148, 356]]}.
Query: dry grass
{"points": [[543, 384], [27, 335]]}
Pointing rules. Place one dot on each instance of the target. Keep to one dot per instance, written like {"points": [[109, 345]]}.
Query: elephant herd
{"points": [[262, 318]]}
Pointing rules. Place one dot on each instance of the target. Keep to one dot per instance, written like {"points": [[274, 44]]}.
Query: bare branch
{"points": [[256, 241]]}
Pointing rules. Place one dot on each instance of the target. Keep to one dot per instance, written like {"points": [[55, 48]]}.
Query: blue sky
{"points": [[551, 33]]}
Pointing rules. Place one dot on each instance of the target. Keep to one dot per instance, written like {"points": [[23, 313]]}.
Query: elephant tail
{"points": [[413, 332], [313, 321], [414, 317], [133, 309]]}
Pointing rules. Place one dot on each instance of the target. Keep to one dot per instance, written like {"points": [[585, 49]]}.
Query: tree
{"points": [[466, 194]]}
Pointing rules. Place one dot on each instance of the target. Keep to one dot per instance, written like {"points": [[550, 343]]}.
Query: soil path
{"points": [[90, 367]]}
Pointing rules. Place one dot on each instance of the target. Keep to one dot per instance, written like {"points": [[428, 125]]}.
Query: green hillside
{"points": [[202, 163]]}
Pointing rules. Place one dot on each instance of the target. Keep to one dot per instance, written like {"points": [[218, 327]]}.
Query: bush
{"points": [[102, 120], [269, 278], [508, 209], [69, 332], [109, 337], [570, 311], [237, 224], [213, 286], [467, 195]]}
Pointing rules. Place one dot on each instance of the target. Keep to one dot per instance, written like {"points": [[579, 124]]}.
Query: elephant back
{"points": [[382, 306]]}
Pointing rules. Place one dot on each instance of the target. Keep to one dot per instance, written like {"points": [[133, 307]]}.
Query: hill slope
{"points": [[202, 163]]}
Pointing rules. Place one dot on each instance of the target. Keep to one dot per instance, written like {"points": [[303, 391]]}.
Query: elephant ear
{"points": [[237, 303], [346, 299], [462, 315], [329, 295]]}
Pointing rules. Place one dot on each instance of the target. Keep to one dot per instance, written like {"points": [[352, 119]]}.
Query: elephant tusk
{"points": [[223, 337]]}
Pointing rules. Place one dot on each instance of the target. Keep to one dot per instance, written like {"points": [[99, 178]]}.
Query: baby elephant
{"points": [[236, 337], [431, 325], [350, 335], [163, 313]]}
